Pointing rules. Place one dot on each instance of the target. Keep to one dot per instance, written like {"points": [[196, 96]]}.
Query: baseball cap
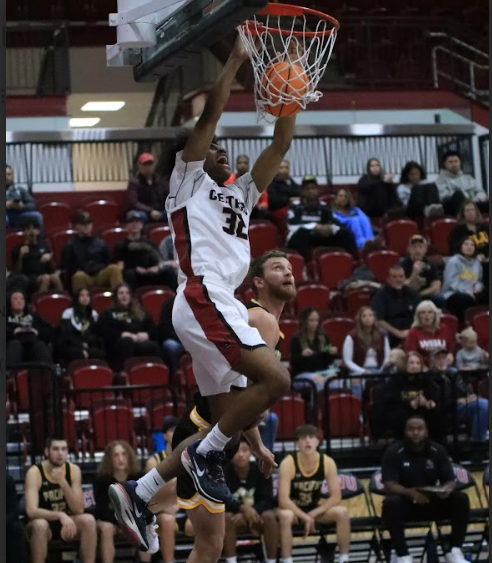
{"points": [[133, 216], [418, 238], [309, 180], [145, 157], [82, 218]]}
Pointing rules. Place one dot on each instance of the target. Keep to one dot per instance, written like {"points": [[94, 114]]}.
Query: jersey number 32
{"points": [[235, 222]]}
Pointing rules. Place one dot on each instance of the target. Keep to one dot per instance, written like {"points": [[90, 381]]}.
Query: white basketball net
{"points": [[275, 39]]}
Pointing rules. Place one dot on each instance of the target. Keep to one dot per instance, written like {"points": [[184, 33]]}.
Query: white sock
{"points": [[231, 559], [149, 484], [271, 561], [344, 557], [288, 560], [213, 441]]}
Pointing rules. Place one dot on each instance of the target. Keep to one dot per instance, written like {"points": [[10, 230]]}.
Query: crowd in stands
{"points": [[401, 346]]}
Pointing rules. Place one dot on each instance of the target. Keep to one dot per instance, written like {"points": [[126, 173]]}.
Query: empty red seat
{"points": [[50, 306], [345, 416], [158, 412], [112, 236], [21, 389], [56, 217], [104, 213], [291, 413], [147, 373], [298, 264], [153, 300], [480, 324], [380, 262], [113, 422], [262, 237], [313, 295], [92, 377], [11, 241], [102, 300], [451, 322], [337, 329], [357, 298], [158, 234], [440, 231], [335, 267], [58, 241], [398, 234], [288, 327]]}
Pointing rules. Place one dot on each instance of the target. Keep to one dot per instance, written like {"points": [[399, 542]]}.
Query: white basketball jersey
{"points": [[209, 224]]}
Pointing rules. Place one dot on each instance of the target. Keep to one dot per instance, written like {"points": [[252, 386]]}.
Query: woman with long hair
{"points": [[417, 195], [376, 191], [127, 329], [310, 349], [78, 338], [470, 224], [345, 210], [119, 463], [427, 334]]}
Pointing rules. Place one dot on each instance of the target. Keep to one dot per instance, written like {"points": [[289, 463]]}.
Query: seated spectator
{"points": [[163, 442], [55, 505], [78, 338], [146, 194], [251, 507], [86, 258], [345, 211], [420, 273], [419, 197], [242, 167], [396, 363], [471, 356], [19, 202], [16, 544], [462, 286], [409, 467], [281, 191], [311, 223], [470, 409], [172, 349], [310, 349], [300, 494], [376, 193], [394, 304], [140, 259], [119, 463], [34, 260], [28, 335], [428, 334], [366, 348], [127, 330], [16, 282], [454, 186]]}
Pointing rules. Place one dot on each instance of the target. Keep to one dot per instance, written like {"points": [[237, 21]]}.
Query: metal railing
{"points": [[484, 160]]}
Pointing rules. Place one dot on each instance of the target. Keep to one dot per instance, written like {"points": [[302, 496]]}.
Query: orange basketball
{"points": [[284, 78]]}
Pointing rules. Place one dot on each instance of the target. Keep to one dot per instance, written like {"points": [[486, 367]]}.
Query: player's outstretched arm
{"points": [[267, 164], [203, 133]]}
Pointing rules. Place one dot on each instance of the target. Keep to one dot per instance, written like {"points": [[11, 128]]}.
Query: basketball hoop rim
{"points": [[271, 9]]}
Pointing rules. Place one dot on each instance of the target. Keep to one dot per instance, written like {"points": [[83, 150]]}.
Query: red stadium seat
{"points": [[104, 213], [147, 373], [480, 324], [113, 422], [298, 265], [357, 298], [345, 416], [313, 295], [58, 241], [112, 236], [262, 237], [158, 412], [337, 329], [335, 267], [22, 393], [451, 322], [288, 327], [380, 262], [439, 232], [92, 377], [158, 234], [12, 240], [153, 300], [471, 312], [101, 300], [50, 306], [291, 413], [398, 234], [56, 217]]}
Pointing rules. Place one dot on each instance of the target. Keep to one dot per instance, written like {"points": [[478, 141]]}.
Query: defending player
{"points": [[209, 225]]}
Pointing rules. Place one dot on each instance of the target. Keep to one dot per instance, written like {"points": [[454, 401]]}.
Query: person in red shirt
{"points": [[427, 334]]}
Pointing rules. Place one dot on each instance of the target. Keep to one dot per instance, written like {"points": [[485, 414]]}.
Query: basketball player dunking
{"points": [[209, 225]]}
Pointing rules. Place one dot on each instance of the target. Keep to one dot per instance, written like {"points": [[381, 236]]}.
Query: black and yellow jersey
{"points": [[159, 456], [306, 488], [51, 496], [253, 304]]}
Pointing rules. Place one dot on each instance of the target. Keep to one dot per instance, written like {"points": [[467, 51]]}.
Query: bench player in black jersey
{"points": [[55, 505], [300, 495]]}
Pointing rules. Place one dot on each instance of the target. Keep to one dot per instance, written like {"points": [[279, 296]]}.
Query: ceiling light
{"points": [[84, 121], [102, 106]]}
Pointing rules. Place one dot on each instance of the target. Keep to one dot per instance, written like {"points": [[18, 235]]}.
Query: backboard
{"points": [[159, 35]]}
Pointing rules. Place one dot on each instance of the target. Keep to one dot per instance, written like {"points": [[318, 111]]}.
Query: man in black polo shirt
{"points": [[419, 481], [420, 273]]}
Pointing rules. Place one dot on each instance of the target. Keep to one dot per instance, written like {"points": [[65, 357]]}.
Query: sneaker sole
{"points": [[188, 465], [122, 506]]}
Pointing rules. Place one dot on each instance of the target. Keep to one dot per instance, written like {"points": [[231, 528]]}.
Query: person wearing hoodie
{"points": [[19, 202], [352, 217], [86, 258], [462, 286], [376, 191], [455, 186]]}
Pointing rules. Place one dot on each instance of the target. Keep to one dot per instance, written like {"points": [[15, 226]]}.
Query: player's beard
{"points": [[283, 292]]}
